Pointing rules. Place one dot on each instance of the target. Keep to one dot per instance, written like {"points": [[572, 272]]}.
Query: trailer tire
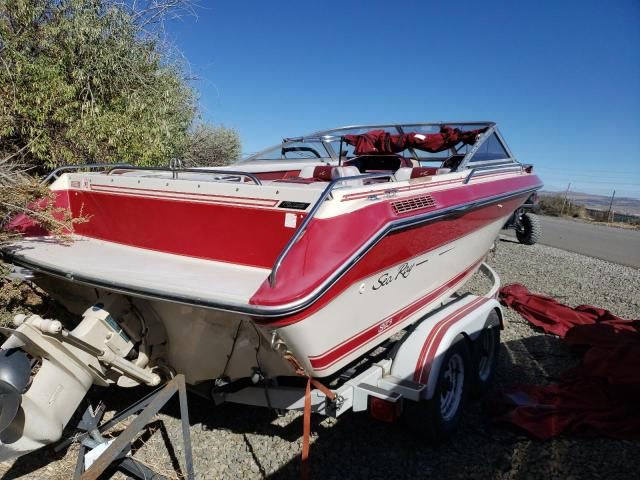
{"points": [[484, 359], [436, 419], [528, 232], [451, 392]]}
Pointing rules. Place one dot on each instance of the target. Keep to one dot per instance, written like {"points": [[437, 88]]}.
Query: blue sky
{"points": [[561, 78]]}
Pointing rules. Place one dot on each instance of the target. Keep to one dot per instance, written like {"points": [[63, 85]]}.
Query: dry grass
{"points": [[21, 193], [558, 206], [18, 297]]}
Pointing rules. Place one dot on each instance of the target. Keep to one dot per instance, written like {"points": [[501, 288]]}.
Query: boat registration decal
{"points": [[290, 220]]}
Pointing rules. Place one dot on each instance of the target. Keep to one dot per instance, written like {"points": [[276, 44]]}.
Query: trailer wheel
{"points": [[450, 394], [484, 360], [528, 229]]}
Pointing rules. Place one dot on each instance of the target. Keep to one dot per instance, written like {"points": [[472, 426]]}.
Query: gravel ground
{"points": [[232, 441]]}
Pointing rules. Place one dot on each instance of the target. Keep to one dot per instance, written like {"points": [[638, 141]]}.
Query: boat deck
{"points": [[137, 270]]}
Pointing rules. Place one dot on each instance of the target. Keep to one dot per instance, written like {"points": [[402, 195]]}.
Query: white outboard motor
{"points": [[45, 372], [15, 371]]}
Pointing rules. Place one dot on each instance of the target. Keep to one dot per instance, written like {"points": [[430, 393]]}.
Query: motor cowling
{"points": [[36, 405], [15, 371]]}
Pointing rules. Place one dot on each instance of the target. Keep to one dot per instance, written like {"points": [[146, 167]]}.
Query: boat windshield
{"points": [[328, 144], [296, 150]]}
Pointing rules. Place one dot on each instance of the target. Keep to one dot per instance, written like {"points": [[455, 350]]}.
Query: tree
{"points": [[90, 81], [210, 146]]}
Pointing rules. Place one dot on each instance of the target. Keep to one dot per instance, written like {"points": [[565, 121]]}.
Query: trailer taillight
{"points": [[385, 410]]}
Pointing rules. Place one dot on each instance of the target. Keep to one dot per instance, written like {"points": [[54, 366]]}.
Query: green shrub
{"points": [[211, 146], [85, 81]]}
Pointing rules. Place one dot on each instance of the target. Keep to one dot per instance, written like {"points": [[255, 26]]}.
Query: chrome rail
{"points": [[493, 276], [89, 166], [176, 171], [305, 223], [496, 169]]}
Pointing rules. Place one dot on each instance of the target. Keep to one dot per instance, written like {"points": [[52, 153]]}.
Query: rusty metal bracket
{"points": [[115, 455]]}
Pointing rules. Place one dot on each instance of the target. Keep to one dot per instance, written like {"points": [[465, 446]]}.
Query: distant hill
{"points": [[628, 205]]}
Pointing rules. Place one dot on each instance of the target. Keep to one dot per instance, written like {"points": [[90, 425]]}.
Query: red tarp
{"points": [[379, 141], [602, 394]]}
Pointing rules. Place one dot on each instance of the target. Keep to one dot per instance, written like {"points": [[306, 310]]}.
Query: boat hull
{"points": [[404, 276], [329, 336]]}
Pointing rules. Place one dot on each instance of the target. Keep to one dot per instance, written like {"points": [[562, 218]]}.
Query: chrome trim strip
{"points": [[298, 305], [480, 172]]}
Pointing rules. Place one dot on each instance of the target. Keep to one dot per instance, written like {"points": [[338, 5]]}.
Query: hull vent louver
{"points": [[414, 203]]}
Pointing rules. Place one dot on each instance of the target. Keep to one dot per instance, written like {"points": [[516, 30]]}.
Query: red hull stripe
{"points": [[432, 342], [148, 192], [426, 347], [325, 360]]}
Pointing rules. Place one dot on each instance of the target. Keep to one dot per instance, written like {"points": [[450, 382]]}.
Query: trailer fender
{"points": [[418, 358]]}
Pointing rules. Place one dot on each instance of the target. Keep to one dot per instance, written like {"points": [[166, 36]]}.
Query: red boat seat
{"points": [[418, 172], [404, 174], [326, 173], [296, 180], [323, 173]]}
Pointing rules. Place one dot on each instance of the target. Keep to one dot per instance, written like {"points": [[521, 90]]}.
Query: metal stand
{"points": [[115, 455]]}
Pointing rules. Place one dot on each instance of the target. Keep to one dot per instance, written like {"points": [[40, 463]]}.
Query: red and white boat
{"points": [[313, 252]]}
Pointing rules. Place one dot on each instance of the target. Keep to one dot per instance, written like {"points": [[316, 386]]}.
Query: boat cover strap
{"points": [[380, 141], [306, 429]]}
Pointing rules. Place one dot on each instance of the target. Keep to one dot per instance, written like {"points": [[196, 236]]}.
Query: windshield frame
{"points": [[328, 139]]}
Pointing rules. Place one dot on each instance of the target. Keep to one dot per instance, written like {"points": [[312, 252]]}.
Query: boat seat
{"points": [[418, 172], [326, 173], [305, 181], [405, 173]]}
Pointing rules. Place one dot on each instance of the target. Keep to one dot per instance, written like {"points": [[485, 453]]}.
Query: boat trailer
{"points": [[413, 368]]}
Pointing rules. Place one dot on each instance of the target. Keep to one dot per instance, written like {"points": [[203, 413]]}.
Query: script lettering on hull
{"points": [[403, 271]]}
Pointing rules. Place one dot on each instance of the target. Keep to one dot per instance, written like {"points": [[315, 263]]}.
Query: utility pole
{"points": [[609, 216], [564, 201]]}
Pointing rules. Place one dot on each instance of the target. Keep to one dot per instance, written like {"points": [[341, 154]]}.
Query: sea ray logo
{"points": [[386, 278]]}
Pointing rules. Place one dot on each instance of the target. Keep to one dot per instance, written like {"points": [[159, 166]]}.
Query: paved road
{"points": [[607, 243]]}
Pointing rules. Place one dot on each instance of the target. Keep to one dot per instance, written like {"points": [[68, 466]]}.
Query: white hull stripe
{"points": [[427, 185]]}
